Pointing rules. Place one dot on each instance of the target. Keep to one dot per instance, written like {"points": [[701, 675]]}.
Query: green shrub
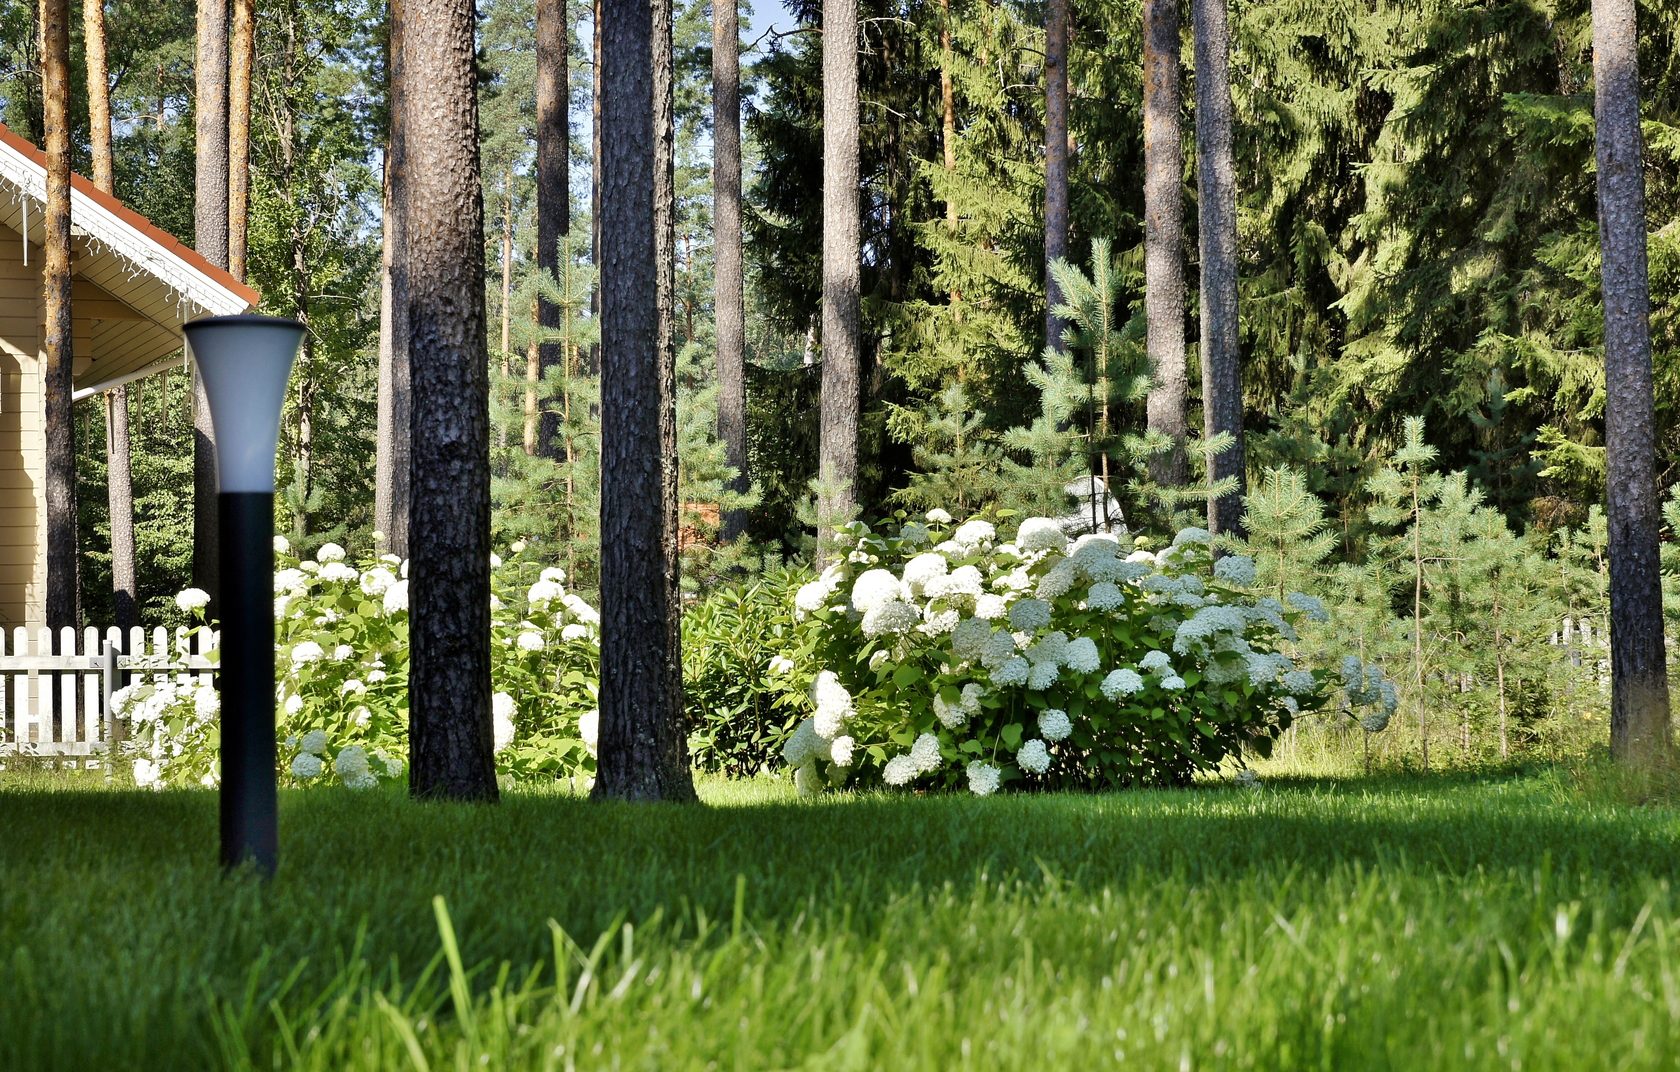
{"points": [[943, 657], [740, 647]]}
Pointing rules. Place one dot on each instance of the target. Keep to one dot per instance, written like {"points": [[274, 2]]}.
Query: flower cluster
{"points": [[949, 656], [341, 658]]}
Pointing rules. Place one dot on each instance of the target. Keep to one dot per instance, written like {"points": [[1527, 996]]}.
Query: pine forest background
{"points": [[1417, 239]]}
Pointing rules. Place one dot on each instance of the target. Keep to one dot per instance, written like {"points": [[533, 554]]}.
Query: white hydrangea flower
{"points": [[983, 778], [990, 607], [192, 600], [1050, 648], [801, 745], [1105, 595], [306, 765], [1206, 624], [502, 707], [1043, 675], [1054, 724], [287, 579], [1300, 683], [1235, 569], [1172, 683], [342, 652], [806, 780], [1261, 669], [925, 753], [396, 598], [589, 729], [294, 704], [840, 751], [1016, 580], [376, 675], [974, 532], [543, 592], [282, 545], [812, 597], [148, 774], [1082, 655], [1029, 615], [1014, 671], [330, 552], [892, 617], [940, 622], [377, 580], [964, 581], [1191, 535], [574, 631], [1058, 581], [529, 640], [873, 588], [781, 665], [579, 608], [206, 702], [314, 742], [1311, 606], [915, 532], [1122, 682], [351, 760], [999, 649], [936, 516], [306, 651], [969, 638], [833, 705], [339, 572], [352, 687], [1156, 662], [1041, 534], [899, 771], [950, 715], [1033, 757], [878, 657], [922, 569], [362, 717]]}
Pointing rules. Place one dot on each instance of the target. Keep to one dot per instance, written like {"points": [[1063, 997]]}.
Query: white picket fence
{"points": [[55, 698]]}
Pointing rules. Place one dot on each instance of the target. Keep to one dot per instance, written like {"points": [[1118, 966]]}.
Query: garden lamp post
{"points": [[244, 362]]}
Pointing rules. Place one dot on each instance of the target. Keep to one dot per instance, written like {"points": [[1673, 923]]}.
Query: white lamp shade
{"points": [[245, 362]]}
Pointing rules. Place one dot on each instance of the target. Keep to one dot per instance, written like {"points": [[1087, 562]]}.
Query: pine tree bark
{"points": [[837, 464], [63, 596], [1163, 241], [729, 297], [1640, 730], [441, 263], [642, 749], [119, 469], [1221, 350], [392, 463], [210, 238], [242, 62], [595, 187], [1055, 163], [554, 213]]}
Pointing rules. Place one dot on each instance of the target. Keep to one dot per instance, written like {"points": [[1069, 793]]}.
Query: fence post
{"points": [[113, 728]]}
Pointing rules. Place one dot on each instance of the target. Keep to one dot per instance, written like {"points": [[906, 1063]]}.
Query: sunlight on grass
{"points": [[1389, 922]]}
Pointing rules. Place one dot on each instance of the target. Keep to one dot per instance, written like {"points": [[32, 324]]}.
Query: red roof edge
{"points": [[172, 245]]}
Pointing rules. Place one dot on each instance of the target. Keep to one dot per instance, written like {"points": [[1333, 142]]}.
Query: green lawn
{"points": [[1454, 923]]}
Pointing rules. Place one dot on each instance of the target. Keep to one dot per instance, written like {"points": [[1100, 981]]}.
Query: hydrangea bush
{"points": [[341, 660], [947, 657]]}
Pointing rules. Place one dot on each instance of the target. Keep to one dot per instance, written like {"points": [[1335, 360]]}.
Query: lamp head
{"points": [[244, 362]]}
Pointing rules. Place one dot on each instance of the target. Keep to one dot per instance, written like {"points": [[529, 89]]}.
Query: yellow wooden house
{"points": [[134, 286]]}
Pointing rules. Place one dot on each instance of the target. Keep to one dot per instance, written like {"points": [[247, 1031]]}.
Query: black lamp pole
{"points": [[244, 362]]}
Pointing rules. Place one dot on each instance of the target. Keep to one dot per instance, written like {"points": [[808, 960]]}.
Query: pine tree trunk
{"points": [[210, 238], [595, 189], [63, 597], [119, 482], [1163, 241], [1221, 354], [441, 263], [730, 296], [392, 468], [1055, 162], [642, 748], [554, 213], [837, 466], [242, 61], [1639, 704]]}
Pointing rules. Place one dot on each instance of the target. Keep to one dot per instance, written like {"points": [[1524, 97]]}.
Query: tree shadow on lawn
{"points": [[537, 856]]}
